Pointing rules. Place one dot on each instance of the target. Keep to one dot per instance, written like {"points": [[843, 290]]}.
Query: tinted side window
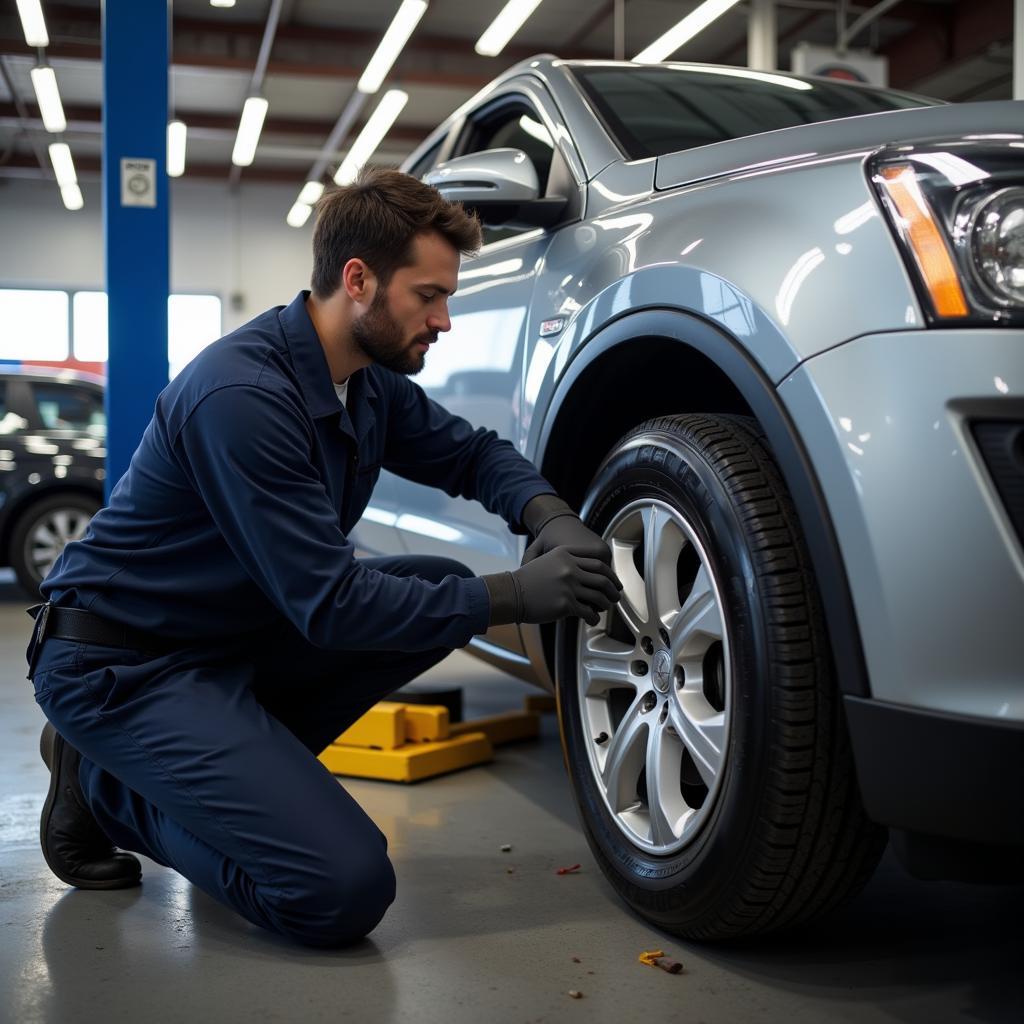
{"points": [[427, 161], [65, 407]]}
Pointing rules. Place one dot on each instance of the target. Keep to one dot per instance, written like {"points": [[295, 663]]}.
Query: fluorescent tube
{"points": [[372, 135], [249, 128], [176, 135], [44, 81], [401, 27], [298, 214], [32, 23], [72, 196], [311, 192], [508, 22], [696, 21], [222, 3], [63, 165]]}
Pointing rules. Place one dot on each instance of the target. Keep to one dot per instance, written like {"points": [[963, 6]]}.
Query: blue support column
{"points": [[136, 222]]}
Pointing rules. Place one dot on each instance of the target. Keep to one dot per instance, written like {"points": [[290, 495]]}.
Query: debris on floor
{"points": [[507, 848], [570, 870], [657, 958], [575, 993]]}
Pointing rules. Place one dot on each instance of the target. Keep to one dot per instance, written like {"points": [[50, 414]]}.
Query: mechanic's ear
{"points": [[359, 281]]}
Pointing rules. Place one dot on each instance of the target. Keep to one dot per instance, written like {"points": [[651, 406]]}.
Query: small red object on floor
{"points": [[568, 871]]}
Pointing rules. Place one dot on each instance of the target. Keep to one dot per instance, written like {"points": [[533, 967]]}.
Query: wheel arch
{"points": [[698, 368]]}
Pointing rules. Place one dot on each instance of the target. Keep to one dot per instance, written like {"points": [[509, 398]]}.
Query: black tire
{"points": [[783, 837], [26, 553]]}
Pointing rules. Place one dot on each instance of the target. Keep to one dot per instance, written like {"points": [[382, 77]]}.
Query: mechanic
{"points": [[214, 631]]}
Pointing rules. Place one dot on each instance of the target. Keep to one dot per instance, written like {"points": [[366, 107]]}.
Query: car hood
{"points": [[831, 138]]}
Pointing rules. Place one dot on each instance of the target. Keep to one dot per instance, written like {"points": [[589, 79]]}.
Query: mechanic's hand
{"points": [[568, 531], [565, 582]]}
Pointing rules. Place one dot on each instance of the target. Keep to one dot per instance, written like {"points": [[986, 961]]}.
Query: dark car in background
{"points": [[52, 464]]}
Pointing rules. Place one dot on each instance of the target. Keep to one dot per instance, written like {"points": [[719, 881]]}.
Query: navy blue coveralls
{"points": [[229, 533]]}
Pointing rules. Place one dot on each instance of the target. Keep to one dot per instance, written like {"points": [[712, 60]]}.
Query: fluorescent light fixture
{"points": [[401, 27], [222, 3], [298, 214], [72, 196], [63, 165], [33, 23], [508, 22], [249, 128], [311, 192], [372, 135], [44, 81], [696, 21], [176, 134]]}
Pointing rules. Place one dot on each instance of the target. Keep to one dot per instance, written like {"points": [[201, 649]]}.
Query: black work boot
{"points": [[75, 847]]}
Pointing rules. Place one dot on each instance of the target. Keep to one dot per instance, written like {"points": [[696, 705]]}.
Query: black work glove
{"points": [[556, 585], [554, 524]]}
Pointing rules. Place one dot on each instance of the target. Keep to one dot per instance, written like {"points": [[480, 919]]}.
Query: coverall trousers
{"points": [[205, 761]]}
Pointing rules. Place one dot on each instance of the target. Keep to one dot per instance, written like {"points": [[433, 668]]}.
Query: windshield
{"points": [[650, 111]]}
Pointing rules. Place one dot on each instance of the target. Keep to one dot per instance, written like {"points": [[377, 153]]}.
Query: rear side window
{"points": [[66, 407]]}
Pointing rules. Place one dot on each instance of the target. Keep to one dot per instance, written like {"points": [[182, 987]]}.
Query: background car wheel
{"points": [[42, 531], [701, 723]]}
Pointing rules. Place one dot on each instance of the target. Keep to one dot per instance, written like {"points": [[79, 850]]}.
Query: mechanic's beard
{"points": [[380, 337]]}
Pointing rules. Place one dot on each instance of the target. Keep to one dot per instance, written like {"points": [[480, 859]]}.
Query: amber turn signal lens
{"points": [[925, 240]]}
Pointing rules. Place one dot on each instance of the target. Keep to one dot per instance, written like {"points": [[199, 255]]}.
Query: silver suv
{"points": [[767, 334]]}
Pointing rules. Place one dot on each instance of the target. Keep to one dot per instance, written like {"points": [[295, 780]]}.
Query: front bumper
{"points": [[939, 775], [926, 510], [934, 561]]}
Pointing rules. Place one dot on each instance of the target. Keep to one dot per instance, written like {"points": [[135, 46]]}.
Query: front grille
{"points": [[1002, 446]]}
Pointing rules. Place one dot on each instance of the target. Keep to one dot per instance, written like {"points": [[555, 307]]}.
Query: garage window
{"points": [[35, 324], [193, 321]]}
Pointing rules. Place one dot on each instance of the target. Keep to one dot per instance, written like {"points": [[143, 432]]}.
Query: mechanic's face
{"points": [[405, 318]]}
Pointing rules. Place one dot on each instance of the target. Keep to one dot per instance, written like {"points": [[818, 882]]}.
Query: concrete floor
{"points": [[466, 941]]}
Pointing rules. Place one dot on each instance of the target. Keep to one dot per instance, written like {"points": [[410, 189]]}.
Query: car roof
{"points": [[60, 374]]}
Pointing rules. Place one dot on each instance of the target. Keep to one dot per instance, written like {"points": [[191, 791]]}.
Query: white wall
{"points": [[232, 244]]}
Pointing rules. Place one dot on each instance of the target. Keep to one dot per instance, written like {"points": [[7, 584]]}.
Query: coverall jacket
{"points": [[229, 533]]}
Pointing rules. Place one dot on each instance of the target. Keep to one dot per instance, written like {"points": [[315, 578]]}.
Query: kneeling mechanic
{"points": [[214, 631]]}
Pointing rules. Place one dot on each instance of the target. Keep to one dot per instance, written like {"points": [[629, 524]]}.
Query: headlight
{"points": [[997, 245], [958, 210]]}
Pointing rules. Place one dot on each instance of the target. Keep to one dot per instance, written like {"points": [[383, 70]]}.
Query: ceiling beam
{"points": [[295, 68], [93, 116], [89, 167]]}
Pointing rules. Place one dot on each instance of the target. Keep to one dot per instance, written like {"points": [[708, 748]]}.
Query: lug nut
{"points": [[649, 702], [639, 668], [663, 633], [647, 645]]}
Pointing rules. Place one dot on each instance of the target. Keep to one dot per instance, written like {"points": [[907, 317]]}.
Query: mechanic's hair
{"points": [[375, 219]]}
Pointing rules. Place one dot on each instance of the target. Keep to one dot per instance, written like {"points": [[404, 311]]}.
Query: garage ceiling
{"points": [[954, 49]]}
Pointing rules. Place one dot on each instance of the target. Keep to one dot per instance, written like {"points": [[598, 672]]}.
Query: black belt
{"points": [[90, 628]]}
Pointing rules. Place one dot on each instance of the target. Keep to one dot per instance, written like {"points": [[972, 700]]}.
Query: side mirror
{"points": [[500, 184]]}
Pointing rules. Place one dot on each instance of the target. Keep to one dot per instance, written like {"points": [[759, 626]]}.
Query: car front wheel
{"points": [[41, 532], [700, 718]]}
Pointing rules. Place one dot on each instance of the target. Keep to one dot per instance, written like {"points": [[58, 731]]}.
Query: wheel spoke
{"points": [[700, 616], [78, 528], [704, 737], [663, 541], [604, 665], [60, 525], [663, 768], [625, 758], [632, 604]]}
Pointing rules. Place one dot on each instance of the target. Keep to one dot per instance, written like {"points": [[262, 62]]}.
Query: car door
{"points": [[475, 370]]}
